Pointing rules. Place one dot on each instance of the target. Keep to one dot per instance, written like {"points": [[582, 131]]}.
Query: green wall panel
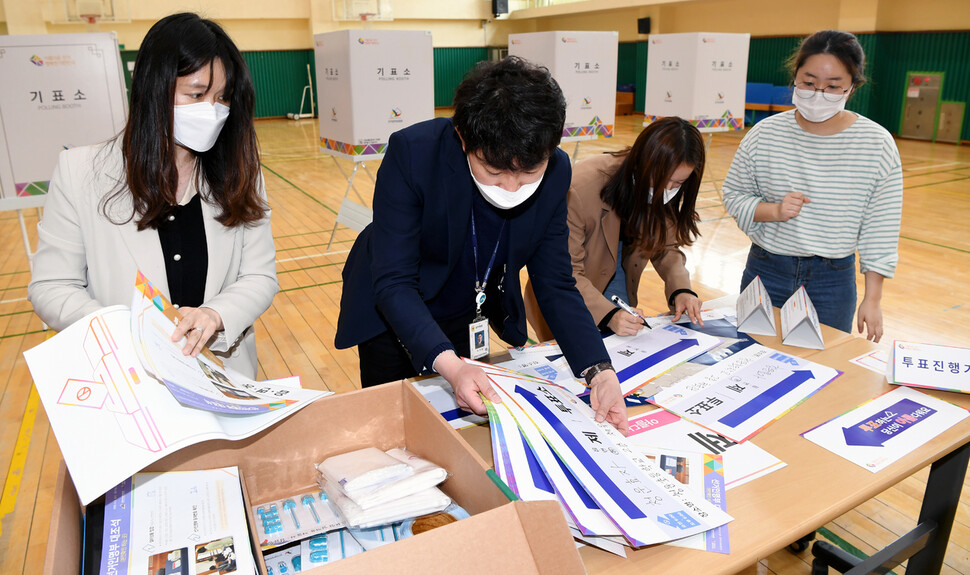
{"points": [[279, 77], [767, 57], [889, 57], [626, 63], [641, 96], [128, 56], [897, 54], [450, 66]]}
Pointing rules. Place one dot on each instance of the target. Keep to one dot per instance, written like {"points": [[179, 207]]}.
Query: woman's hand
{"points": [[689, 304], [197, 326], [623, 323], [606, 400], [870, 316], [791, 206]]}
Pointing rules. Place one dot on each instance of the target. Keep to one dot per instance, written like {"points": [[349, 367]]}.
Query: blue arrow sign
{"points": [[585, 459], [655, 358], [766, 398], [875, 430], [539, 478]]}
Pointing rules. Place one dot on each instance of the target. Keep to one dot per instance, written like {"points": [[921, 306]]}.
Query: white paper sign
{"points": [[883, 430], [371, 83], [700, 77], [58, 91], [177, 522], [799, 322], [744, 393], [754, 310], [644, 356], [584, 64], [932, 366], [534, 472], [742, 461]]}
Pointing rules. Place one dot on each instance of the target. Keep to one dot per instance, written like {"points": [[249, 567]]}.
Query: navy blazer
{"points": [[422, 217]]}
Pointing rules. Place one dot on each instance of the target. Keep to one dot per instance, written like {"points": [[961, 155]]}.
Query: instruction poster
{"points": [[584, 65], [58, 91], [883, 430], [370, 84]]}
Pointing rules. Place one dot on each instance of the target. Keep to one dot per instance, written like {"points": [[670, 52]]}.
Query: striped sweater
{"points": [[853, 178]]}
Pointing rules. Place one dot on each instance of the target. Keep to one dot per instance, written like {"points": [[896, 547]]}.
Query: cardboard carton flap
{"points": [[522, 537]]}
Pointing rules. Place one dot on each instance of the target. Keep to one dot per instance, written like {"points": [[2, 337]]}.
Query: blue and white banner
{"points": [[741, 395], [883, 430]]}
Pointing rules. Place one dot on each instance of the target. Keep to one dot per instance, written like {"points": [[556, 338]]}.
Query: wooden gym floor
{"points": [[926, 301]]}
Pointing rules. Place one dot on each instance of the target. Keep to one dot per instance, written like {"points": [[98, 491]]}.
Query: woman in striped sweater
{"points": [[814, 185]]}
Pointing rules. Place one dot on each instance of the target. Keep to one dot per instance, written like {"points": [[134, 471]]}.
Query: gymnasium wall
{"points": [[276, 37]]}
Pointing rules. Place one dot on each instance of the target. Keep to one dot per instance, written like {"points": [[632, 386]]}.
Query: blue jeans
{"points": [[830, 283]]}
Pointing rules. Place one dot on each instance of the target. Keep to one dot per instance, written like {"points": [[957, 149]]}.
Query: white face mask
{"points": [[197, 126], [814, 107], [668, 195], [502, 198]]}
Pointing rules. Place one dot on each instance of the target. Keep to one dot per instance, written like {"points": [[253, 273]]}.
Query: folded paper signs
{"points": [[641, 502], [532, 537]]}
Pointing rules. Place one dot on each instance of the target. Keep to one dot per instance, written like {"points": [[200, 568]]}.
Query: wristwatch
{"points": [[592, 371]]}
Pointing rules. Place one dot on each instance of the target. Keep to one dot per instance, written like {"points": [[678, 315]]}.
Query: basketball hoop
{"points": [[92, 21], [366, 18]]}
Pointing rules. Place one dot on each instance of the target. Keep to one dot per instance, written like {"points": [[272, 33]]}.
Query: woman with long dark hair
{"points": [[178, 196], [627, 208], [814, 185]]}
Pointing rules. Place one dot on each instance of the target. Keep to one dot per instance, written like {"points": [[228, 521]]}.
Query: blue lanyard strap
{"points": [[480, 286]]}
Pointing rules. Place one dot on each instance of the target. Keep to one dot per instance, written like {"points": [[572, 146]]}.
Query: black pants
{"points": [[384, 358]]}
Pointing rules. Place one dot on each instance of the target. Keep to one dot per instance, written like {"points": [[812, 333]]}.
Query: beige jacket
{"points": [[85, 262], [594, 235]]}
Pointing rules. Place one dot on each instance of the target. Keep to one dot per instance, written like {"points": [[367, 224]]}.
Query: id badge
{"points": [[478, 338]]}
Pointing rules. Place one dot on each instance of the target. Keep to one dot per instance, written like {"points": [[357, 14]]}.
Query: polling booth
{"points": [[584, 64], [58, 91], [699, 77], [370, 84]]}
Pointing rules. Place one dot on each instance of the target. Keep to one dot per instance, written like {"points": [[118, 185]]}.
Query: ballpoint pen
{"points": [[626, 307]]}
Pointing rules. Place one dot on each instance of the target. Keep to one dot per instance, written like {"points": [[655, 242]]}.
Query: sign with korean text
{"points": [[885, 429], [584, 65], [698, 76], [370, 84], [743, 394], [58, 91], [933, 366]]}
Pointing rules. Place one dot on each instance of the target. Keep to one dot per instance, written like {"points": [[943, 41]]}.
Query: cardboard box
{"points": [[499, 537]]}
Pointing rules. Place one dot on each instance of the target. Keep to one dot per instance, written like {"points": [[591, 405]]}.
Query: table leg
{"points": [[940, 503]]}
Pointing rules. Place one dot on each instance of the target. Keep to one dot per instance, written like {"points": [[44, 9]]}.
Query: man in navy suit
{"points": [[461, 205]]}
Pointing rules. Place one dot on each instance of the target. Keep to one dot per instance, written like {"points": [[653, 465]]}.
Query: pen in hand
{"points": [[626, 307]]}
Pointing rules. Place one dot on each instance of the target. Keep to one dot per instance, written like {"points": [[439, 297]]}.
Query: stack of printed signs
{"points": [[667, 482]]}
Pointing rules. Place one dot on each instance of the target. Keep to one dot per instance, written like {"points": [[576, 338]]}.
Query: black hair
{"points": [[179, 45], [842, 45], [657, 153], [511, 111]]}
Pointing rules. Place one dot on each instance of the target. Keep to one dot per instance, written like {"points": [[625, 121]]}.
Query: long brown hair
{"points": [[175, 46], [657, 153]]}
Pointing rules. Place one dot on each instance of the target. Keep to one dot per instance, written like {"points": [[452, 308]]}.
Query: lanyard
{"points": [[480, 286]]}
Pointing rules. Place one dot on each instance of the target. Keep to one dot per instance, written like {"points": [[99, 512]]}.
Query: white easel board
{"points": [[698, 76], [370, 84], [58, 91], [584, 64]]}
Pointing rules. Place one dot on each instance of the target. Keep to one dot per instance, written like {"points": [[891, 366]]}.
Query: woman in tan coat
{"points": [[613, 210]]}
